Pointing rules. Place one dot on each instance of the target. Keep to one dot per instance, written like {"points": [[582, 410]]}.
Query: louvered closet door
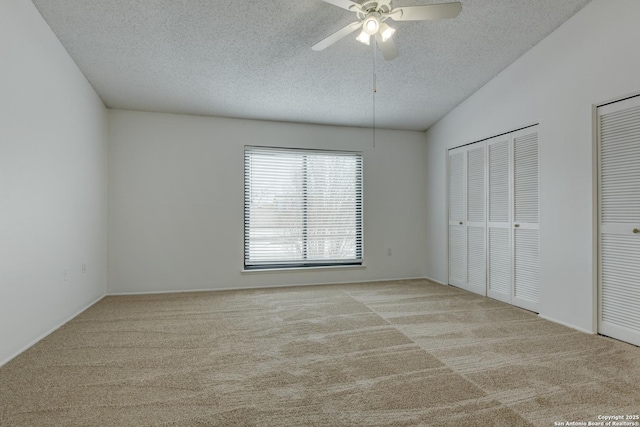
{"points": [[499, 285], [525, 219], [476, 230], [619, 234], [457, 215]]}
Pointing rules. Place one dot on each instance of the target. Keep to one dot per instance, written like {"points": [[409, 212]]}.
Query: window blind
{"points": [[302, 207]]}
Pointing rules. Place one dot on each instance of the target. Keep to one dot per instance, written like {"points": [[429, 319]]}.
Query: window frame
{"points": [[358, 261]]}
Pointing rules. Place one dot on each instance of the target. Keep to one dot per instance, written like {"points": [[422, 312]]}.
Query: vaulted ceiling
{"points": [[253, 59]]}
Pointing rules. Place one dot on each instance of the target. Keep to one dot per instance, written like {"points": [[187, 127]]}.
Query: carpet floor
{"points": [[398, 353]]}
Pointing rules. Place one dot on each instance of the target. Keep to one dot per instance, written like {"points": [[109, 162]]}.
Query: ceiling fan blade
{"points": [[388, 48], [345, 4], [337, 36], [426, 12]]}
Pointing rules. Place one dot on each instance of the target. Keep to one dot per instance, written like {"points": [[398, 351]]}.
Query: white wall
{"points": [[589, 60], [52, 182], [176, 201]]}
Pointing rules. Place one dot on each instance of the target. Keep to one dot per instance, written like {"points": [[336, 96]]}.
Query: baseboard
{"points": [[242, 288], [41, 337], [436, 281], [586, 331]]}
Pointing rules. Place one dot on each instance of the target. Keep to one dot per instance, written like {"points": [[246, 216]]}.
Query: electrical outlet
{"points": [[84, 267], [65, 274], [389, 251]]}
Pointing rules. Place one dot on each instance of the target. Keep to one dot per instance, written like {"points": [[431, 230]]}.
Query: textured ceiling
{"points": [[253, 59]]}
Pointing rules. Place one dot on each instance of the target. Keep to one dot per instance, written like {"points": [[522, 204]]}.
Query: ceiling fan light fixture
{"points": [[371, 25], [364, 38], [386, 31]]}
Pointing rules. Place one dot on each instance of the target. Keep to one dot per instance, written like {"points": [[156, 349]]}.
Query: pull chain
{"points": [[375, 89]]}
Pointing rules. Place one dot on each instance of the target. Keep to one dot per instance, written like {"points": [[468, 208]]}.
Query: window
{"points": [[302, 208]]}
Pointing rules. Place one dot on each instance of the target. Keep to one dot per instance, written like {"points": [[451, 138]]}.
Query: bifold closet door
{"points": [[525, 219], [512, 227], [467, 261], [475, 223], [493, 218], [619, 217], [499, 266], [457, 215]]}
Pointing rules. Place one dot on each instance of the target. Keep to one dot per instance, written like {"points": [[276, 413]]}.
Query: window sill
{"points": [[301, 269]]}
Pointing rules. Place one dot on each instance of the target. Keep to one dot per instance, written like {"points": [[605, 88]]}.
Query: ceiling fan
{"points": [[372, 14]]}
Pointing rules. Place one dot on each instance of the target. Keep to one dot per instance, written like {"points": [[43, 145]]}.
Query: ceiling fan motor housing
{"points": [[367, 7]]}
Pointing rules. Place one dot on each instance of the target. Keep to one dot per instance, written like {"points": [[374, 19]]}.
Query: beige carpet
{"points": [[372, 354]]}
